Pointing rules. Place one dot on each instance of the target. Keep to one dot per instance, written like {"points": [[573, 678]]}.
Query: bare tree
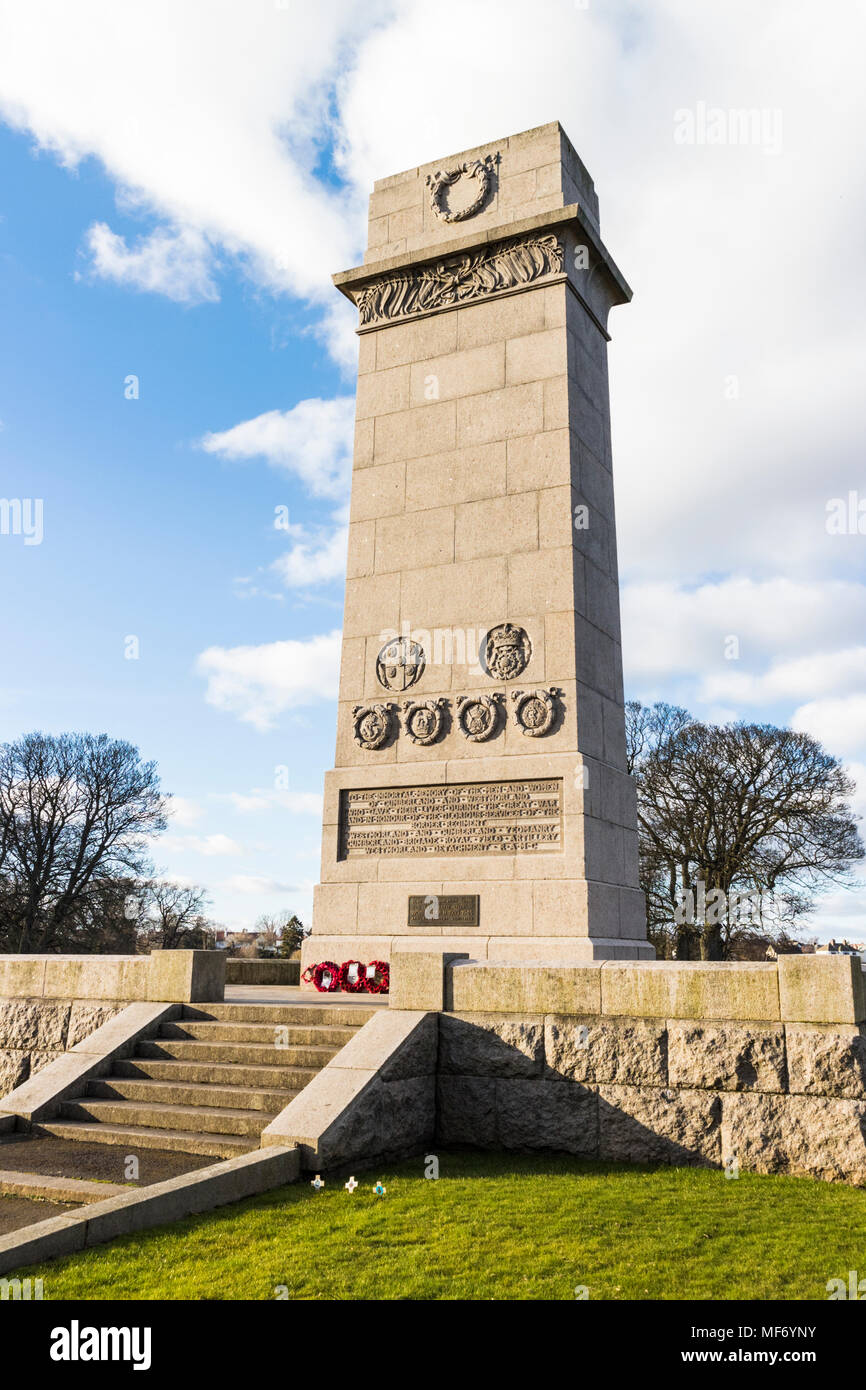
{"points": [[283, 926], [740, 812], [172, 914], [76, 811]]}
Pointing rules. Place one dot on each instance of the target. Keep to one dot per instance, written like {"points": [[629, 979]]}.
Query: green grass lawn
{"points": [[495, 1226]]}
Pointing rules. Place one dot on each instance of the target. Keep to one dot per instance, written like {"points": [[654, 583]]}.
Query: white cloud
{"points": [[208, 845], [706, 484], [839, 723], [319, 558], [669, 630], [176, 264], [209, 116], [257, 684], [182, 811], [313, 440], [268, 799], [253, 886], [823, 673]]}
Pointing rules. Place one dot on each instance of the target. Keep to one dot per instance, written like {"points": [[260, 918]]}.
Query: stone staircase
{"points": [[210, 1082]]}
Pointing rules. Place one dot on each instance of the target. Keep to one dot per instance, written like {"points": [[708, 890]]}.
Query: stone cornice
{"points": [[353, 282]]}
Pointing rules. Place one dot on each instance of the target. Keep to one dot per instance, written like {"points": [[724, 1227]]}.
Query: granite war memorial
{"points": [[480, 800]]}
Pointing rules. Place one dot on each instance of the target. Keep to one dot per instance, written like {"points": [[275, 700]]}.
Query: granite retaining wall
{"points": [[33, 1032], [758, 1067]]}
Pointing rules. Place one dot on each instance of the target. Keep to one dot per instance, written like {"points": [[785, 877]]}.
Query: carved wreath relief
{"points": [[507, 650], [400, 664], [372, 724], [478, 716], [424, 720], [477, 172], [535, 710]]}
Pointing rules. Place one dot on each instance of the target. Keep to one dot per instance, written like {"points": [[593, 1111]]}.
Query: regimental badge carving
{"points": [[478, 716], [507, 650], [459, 278], [535, 710], [400, 663], [477, 172], [424, 720], [371, 724]]}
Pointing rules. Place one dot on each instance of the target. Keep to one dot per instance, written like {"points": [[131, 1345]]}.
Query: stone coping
{"points": [[56, 1189], [797, 989], [169, 976], [142, 1208], [375, 1097], [571, 214]]}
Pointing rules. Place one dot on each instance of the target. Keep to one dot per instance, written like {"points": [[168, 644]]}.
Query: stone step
{"points": [[141, 1137], [54, 1189], [207, 1031], [221, 1074], [176, 1093], [301, 1015], [199, 1119], [255, 1054]]}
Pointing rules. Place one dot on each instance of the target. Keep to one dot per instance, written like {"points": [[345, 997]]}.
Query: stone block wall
{"points": [[776, 1097], [652, 1062], [35, 1031], [263, 972], [48, 1003]]}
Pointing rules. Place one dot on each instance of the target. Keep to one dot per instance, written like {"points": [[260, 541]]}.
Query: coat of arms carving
{"points": [[400, 663], [506, 652]]}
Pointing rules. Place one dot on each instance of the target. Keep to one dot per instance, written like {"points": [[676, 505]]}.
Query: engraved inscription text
{"points": [[460, 818]]}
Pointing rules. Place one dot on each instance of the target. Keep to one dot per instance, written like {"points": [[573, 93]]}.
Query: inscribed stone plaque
{"points": [[444, 909], [520, 817]]}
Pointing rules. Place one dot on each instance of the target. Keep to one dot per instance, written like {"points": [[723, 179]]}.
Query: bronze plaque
{"points": [[520, 817], [444, 910]]}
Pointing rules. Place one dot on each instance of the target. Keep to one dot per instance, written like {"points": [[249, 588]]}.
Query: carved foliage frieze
{"points": [[459, 278]]}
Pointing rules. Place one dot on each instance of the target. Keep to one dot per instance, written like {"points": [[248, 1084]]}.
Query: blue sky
{"points": [[145, 534], [177, 187]]}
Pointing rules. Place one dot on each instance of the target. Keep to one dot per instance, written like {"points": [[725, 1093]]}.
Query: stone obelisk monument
{"points": [[480, 800]]}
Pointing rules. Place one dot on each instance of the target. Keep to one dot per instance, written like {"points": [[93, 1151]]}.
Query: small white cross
{"points": [[317, 1183], [350, 1185], [379, 1190]]}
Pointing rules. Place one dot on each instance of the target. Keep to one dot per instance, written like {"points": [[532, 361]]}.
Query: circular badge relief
{"points": [[536, 711], [424, 722], [372, 724], [478, 718]]}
